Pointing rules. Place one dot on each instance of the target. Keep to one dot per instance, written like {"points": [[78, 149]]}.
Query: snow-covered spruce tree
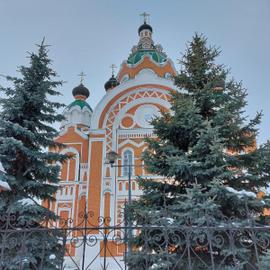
{"points": [[210, 170], [29, 162]]}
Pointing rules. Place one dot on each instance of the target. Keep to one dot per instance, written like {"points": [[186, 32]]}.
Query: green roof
{"points": [[158, 57], [80, 103]]}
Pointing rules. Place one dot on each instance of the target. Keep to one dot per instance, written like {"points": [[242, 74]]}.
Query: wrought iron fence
{"points": [[95, 244]]}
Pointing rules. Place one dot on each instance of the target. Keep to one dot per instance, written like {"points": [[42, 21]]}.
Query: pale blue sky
{"points": [[90, 35]]}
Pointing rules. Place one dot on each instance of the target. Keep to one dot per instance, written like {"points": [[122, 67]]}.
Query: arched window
{"points": [[127, 160], [120, 186], [70, 168]]}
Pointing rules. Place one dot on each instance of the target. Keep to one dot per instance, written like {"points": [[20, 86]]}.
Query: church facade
{"points": [[120, 122]]}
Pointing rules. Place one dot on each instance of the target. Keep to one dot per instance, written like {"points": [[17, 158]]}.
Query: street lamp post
{"points": [[111, 158]]}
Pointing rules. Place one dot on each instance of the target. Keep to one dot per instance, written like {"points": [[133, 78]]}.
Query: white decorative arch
{"points": [[139, 82], [107, 190], [146, 71], [112, 120], [139, 96], [128, 141]]}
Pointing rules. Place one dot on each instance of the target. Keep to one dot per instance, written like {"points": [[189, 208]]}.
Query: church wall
{"points": [[95, 179], [120, 122], [120, 139], [72, 173]]}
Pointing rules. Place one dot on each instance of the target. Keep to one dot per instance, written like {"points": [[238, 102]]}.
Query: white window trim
{"points": [[132, 161]]}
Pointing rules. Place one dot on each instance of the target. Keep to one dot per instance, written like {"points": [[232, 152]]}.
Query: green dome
{"points": [[80, 103], [156, 56]]}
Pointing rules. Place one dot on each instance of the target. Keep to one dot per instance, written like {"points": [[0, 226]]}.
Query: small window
{"points": [[127, 162]]}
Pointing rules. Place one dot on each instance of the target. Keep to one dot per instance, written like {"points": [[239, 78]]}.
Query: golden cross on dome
{"points": [[82, 75], [113, 67], [145, 16]]}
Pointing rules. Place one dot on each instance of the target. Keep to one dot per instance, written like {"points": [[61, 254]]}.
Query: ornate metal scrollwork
{"points": [[188, 245]]}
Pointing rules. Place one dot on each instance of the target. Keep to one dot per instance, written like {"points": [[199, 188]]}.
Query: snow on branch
{"points": [[241, 193]]}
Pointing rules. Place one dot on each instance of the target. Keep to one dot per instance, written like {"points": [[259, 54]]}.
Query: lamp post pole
{"points": [[111, 158], [129, 183], [128, 212]]}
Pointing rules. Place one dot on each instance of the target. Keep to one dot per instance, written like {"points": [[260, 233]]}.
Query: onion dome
{"points": [[80, 91], [146, 46], [78, 113], [145, 26], [111, 83]]}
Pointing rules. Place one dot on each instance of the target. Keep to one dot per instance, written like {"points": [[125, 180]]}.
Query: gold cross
{"points": [[145, 16], [113, 67], [82, 75]]}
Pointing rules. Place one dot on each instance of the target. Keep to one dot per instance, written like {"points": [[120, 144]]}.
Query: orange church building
{"points": [[119, 123]]}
